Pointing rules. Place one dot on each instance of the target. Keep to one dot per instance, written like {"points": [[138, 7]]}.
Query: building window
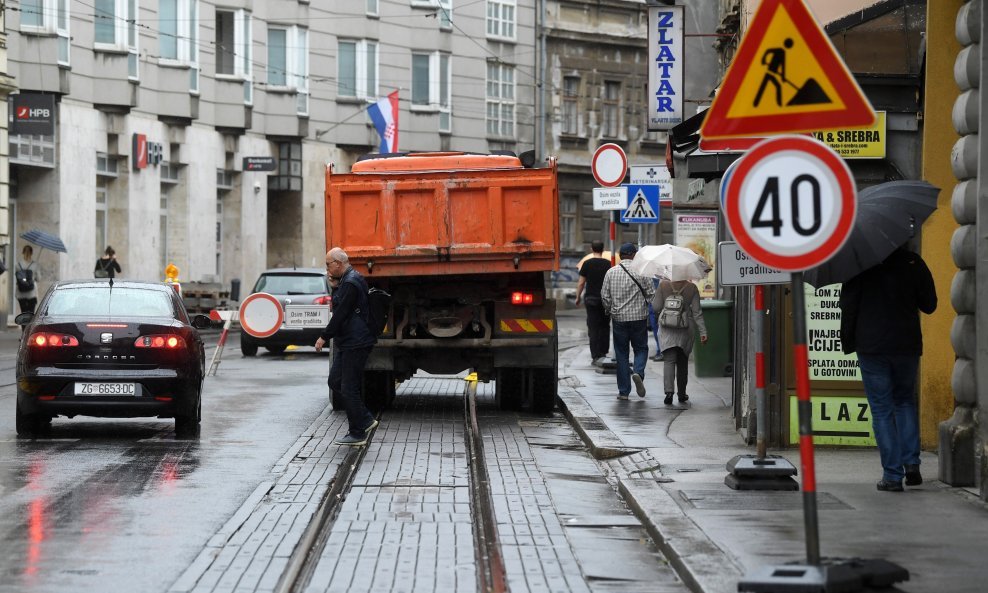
{"points": [[163, 229], [500, 99], [610, 112], [115, 28], [372, 8], [106, 172], [37, 151], [169, 173], [501, 19], [234, 52], [445, 94], [102, 191], [179, 36], [431, 85], [569, 208], [288, 61], [219, 237], [224, 180], [446, 15], [571, 113], [289, 174], [48, 16], [106, 165], [357, 69]]}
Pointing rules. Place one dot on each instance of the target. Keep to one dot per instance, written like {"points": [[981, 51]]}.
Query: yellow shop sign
{"points": [[837, 420], [861, 143]]}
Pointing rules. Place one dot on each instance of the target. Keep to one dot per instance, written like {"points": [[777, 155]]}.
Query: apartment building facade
{"points": [[158, 102]]}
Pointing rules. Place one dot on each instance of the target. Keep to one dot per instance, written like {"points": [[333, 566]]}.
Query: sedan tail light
{"points": [[50, 340], [323, 300], [168, 341]]}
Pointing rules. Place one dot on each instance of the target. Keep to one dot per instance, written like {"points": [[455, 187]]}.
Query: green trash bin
{"points": [[713, 359]]}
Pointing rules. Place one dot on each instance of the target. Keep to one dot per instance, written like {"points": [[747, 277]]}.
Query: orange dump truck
{"points": [[462, 242]]}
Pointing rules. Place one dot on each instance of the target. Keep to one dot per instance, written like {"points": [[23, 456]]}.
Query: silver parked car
{"points": [[295, 289]]}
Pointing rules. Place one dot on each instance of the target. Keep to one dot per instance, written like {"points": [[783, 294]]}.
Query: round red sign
{"points": [[609, 165], [261, 315], [790, 203]]}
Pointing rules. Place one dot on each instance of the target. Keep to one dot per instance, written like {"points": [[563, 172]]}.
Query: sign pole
{"points": [[801, 362], [761, 411], [614, 215]]}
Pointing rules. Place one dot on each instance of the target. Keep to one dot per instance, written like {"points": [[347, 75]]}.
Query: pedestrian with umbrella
{"points": [[677, 302], [26, 272], [880, 305]]}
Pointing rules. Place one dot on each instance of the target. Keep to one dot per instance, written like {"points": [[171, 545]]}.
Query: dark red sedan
{"points": [[110, 349]]}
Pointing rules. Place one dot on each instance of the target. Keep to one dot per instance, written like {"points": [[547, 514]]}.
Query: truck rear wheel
{"points": [[379, 390], [509, 389]]}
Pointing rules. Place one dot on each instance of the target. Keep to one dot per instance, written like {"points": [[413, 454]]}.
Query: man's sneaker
{"points": [[639, 384], [913, 477], [372, 426], [657, 358], [889, 486], [683, 398], [623, 396], [668, 400], [351, 440]]}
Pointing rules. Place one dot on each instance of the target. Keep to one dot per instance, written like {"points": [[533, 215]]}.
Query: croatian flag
{"points": [[384, 114]]}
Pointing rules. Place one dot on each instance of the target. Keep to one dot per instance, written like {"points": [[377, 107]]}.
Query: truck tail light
{"points": [[49, 340], [160, 341], [522, 298], [323, 300]]}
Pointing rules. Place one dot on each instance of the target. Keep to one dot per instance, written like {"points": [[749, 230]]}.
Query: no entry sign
{"points": [[791, 203], [261, 315], [609, 165]]}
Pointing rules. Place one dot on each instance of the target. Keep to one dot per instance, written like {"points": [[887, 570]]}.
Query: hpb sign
{"points": [[34, 114]]}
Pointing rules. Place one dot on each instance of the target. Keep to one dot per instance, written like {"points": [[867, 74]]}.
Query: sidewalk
{"points": [[714, 535]]}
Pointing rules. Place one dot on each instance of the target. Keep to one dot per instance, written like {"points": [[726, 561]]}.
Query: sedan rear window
{"points": [[116, 302], [291, 284]]}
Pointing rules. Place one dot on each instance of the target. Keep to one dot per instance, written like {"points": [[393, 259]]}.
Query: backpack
{"points": [[379, 308], [25, 279], [673, 314]]}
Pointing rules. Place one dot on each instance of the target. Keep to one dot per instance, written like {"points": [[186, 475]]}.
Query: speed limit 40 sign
{"points": [[790, 203]]}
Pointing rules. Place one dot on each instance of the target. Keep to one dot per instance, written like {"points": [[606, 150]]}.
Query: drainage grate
{"points": [[590, 422], [732, 500]]}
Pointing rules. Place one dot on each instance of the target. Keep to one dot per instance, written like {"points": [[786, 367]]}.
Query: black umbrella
{"points": [[44, 240], [888, 216]]}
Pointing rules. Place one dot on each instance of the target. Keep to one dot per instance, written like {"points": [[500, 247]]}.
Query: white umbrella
{"points": [[670, 262]]}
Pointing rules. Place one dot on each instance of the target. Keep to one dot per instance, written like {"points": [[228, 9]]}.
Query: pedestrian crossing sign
{"points": [[643, 204], [785, 77]]}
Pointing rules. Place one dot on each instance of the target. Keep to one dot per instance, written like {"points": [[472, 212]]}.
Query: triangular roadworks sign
{"points": [[785, 77]]}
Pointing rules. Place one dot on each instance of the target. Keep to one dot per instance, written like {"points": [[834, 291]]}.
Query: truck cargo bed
{"points": [[441, 222]]}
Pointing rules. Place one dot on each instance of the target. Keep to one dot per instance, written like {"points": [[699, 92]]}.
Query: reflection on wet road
{"points": [[121, 504]]}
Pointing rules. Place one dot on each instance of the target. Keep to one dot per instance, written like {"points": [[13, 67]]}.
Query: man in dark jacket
{"points": [[349, 327], [598, 323], [880, 321]]}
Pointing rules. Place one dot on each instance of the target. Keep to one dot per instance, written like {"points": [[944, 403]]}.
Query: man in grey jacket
{"points": [[626, 296]]}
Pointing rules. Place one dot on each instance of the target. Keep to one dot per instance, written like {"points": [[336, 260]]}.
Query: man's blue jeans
{"points": [[346, 376], [890, 384], [635, 333]]}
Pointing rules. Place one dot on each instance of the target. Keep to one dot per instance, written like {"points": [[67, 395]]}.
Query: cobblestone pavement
{"points": [[406, 523]]}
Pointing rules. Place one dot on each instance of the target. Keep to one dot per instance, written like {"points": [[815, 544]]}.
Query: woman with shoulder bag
{"points": [[107, 266], [26, 278], [680, 315]]}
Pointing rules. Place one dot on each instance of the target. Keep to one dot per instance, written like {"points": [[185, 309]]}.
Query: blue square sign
{"points": [[643, 204]]}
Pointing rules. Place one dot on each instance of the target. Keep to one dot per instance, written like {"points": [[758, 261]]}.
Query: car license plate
{"points": [[105, 388], [306, 315]]}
